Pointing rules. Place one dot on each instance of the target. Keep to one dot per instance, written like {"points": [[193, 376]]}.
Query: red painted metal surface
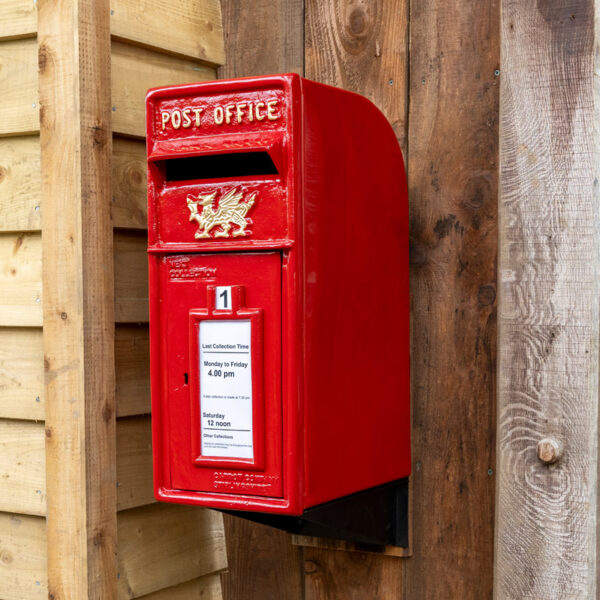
{"points": [[318, 251]]}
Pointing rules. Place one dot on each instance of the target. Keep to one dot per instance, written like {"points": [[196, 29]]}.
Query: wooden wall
{"points": [[433, 68], [162, 551]]}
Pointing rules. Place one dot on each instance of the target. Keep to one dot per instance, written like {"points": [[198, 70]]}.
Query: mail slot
{"points": [[279, 305]]}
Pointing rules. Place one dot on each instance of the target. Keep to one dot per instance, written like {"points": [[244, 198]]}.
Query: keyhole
{"points": [[185, 378]]}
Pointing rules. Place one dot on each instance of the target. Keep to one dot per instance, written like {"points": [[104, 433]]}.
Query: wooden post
{"points": [[549, 294], [75, 132]]}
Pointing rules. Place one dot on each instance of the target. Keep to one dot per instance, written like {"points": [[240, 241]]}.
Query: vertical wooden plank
{"points": [[262, 563], [74, 60], [550, 287], [362, 47], [261, 36], [452, 162]]}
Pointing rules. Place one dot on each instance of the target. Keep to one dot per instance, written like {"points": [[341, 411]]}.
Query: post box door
{"points": [[221, 347]]}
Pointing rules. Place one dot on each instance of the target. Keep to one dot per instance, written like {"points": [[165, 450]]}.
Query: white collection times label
{"points": [[226, 389]]}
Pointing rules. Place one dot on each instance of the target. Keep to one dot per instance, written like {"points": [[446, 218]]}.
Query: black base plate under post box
{"points": [[377, 516]]}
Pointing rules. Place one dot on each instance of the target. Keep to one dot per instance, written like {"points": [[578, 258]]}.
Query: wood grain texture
{"points": [[76, 147], [131, 277], [20, 180], [452, 163], [20, 279], [134, 463], [22, 373], [129, 201], [22, 468], [262, 563], [132, 369], [335, 575], [19, 105], [263, 37], [23, 571], [203, 588], [308, 541], [18, 19], [362, 47], [136, 70], [164, 545], [549, 282], [194, 26]]}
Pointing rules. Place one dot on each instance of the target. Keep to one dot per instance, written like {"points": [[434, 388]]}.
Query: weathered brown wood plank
{"points": [[164, 545], [23, 572], [76, 144], [194, 28], [22, 373], [262, 37], [361, 47], [549, 282], [452, 162]]}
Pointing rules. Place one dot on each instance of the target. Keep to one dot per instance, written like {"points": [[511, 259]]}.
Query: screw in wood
{"points": [[549, 450]]}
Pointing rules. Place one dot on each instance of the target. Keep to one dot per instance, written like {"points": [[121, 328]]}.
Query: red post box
{"points": [[279, 304]]}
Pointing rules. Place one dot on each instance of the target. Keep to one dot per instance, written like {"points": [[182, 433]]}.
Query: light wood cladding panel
{"points": [[163, 545], [23, 564], [134, 462], [190, 28], [132, 366], [20, 179], [129, 194], [21, 373], [20, 279], [18, 19], [135, 70], [203, 588], [131, 277], [22, 467], [19, 104]]}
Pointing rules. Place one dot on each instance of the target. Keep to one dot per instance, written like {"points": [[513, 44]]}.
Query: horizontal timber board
{"points": [[163, 545], [194, 27], [19, 106], [129, 207], [20, 180], [18, 19], [203, 588], [21, 373], [23, 459], [20, 279], [132, 369], [22, 467], [134, 462], [131, 277], [23, 569], [134, 71]]}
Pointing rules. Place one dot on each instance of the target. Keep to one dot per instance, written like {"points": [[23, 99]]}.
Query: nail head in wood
{"points": [[549, 450]]}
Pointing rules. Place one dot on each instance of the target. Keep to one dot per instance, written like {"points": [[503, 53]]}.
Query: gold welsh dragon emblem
{"points": [[230, 210]]}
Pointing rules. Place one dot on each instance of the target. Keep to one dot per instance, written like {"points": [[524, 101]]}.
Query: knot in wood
{"points": [[549, 450]]}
